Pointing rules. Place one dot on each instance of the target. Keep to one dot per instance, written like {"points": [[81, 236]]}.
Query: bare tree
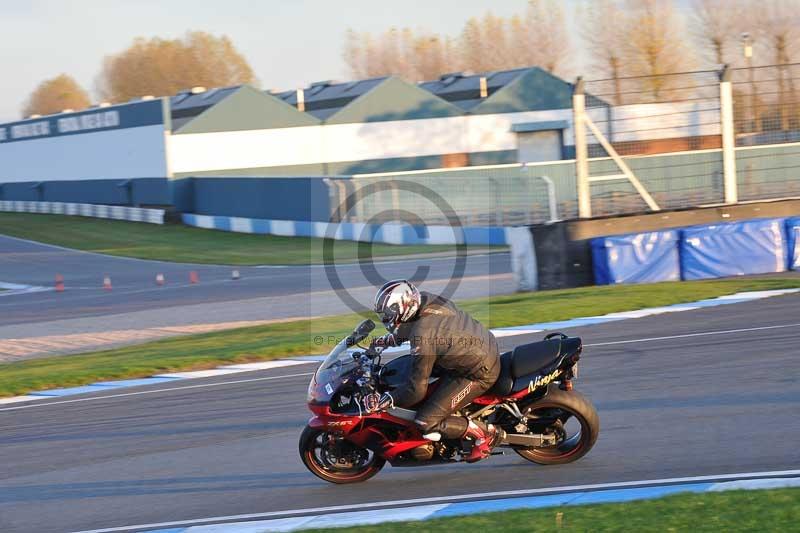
{"points": [[604, 28], [718, 25], [55, 95], [353, 53], [163, 67], [471, 47], [430, 57], [778, 27], [539, 38], [494, 43], [546, 43], [402, 52], [655, 46]]}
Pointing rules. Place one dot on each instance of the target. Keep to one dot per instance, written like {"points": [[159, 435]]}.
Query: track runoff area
{"points": [[681, 397]]}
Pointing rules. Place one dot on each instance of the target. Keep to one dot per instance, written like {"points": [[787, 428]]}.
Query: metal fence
{"points": [[642, 144], [498, 195], [766, 104], [646, 115]]}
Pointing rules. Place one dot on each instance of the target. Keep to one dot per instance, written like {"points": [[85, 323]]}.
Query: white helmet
{"points": [[397, 302]]}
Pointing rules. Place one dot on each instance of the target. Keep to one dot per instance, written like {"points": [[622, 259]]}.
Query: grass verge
{"points": [[303, 337], [185, 244], [759, 510]]}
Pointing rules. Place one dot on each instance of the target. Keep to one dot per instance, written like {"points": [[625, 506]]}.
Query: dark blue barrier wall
{"points": [[637, 258], [182, 194], [793, 234], [266, 198], [733, 249], [107, 192], [139, 191], [151, 191], [28, 191]]}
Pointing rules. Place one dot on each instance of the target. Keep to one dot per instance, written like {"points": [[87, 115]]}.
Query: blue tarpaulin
{"points": [[733, 249], [793, 233], [636, 258]]}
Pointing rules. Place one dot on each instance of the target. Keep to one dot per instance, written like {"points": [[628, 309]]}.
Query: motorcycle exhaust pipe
{"points": [[519, 439]]}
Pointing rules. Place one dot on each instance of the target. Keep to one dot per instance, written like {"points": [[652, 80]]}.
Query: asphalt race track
{"points": [[134, 287], [694, 404], [136, 303]]}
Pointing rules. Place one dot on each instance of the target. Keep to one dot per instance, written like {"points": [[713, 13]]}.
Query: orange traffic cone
{"points": [[193, 277], [107, 283], [59, 283], [159, 279]]}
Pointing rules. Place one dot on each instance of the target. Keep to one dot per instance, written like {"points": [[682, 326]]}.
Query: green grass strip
{"points": [[186, 244], [303, 337], [712, 512]]}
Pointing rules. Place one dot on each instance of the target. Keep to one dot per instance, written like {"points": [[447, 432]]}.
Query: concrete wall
{"points": [[261, 198], [139, 191]]}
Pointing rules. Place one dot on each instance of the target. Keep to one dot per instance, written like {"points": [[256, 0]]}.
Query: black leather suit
{"points": [[465, 353]]}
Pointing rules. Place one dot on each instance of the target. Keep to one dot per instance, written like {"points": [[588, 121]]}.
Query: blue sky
{"points": [[289, 43]]}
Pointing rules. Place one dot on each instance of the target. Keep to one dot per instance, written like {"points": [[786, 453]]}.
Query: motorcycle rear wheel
{"points": [[339, 461], [559, 406]]}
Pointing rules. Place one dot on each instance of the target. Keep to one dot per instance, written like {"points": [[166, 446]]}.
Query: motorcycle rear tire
{"points": [[307, 447], [579, 407]]}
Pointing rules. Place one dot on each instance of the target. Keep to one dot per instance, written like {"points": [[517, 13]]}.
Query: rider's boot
{"points": [[484, 438]]}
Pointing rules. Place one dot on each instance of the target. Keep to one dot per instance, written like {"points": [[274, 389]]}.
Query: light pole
{"points": [[747, 49]]}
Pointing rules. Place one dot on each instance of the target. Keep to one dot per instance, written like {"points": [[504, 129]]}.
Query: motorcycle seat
{"points": [[528, 359]]}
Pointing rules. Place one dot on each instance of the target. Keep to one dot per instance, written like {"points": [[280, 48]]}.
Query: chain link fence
{"points": [[502, 195], [767, 114], [663, 134], [643, 117]]}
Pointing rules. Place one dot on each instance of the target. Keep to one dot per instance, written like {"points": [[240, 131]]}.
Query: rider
{"points": [[465, 352]]}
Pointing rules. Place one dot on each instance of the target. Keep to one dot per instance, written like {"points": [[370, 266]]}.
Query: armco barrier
{"points": [[352, 231], [116, 212], [793, 238], [733, 249], [637, 258]]}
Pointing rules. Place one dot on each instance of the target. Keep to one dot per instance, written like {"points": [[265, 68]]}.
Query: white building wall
{"points": [[129, 153], [122, 141], [196, 152]]}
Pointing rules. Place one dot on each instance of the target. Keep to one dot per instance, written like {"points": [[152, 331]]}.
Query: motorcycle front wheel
{"points": [[336, 460], [571, 418]]}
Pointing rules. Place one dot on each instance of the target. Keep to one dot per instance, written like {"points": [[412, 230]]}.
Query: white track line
{"points": [[93, 398], [473, 496], [687, 335]]}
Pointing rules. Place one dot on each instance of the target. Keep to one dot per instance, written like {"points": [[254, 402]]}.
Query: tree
{"points": [[470, 46], [494, 44], [538, 38], [604, 29], [544, 40], [55, 95], [412, 55], [718, 25], [777, 23], [655, 46], [163, 67]]}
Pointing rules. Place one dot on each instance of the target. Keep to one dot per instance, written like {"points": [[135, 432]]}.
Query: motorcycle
{"points": [[533, 401]]}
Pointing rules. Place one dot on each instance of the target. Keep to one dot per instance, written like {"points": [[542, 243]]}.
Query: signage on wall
{"points": [[131, 115]]}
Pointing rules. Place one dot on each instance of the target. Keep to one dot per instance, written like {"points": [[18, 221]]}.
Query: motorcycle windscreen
{"points": [[330, 376]]}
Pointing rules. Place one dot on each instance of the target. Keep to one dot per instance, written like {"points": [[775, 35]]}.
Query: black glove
{"points": [[386, 341]]}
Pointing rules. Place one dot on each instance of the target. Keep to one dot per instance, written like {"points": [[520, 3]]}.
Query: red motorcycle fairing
{"points": [[369, 431]]}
